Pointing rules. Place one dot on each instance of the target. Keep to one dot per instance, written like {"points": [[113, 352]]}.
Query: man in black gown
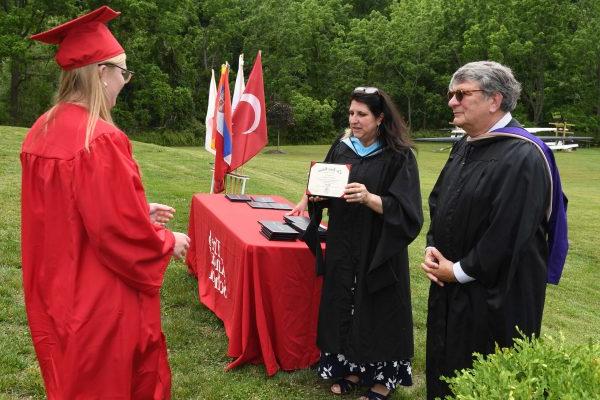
{"points": [[498, 228]]}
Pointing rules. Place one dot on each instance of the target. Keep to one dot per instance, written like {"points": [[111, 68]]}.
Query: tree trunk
{"points": [[598, 90], [535, 98], [16, 78], [538, 106], [409, 116], [278, 140]]}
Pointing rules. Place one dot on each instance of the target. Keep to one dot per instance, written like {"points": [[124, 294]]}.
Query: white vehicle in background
{"points": [[560, 140]]}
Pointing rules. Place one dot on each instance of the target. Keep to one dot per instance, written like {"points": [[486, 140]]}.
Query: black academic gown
{"points": [[365, 310], [488, 212]]}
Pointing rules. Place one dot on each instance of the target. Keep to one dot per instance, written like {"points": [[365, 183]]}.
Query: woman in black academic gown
{"points": [[365, 330]]}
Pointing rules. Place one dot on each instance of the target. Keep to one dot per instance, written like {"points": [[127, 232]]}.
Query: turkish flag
{"points": [[250, 119]]}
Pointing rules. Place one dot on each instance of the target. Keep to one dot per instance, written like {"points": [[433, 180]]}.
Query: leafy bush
{"points": [[156, 102], [534, 369], [585, 124], [170, 138], [313, 122]]}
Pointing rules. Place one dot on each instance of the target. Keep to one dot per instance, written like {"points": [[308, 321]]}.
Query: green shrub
{"points": [[539, 368], [313, 122], [584, 124], [170, 138]]}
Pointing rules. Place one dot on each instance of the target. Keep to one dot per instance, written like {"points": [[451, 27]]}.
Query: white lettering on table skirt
{"points": [[217, 271]]}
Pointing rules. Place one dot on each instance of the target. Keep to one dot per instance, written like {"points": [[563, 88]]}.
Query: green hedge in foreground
{"points": [[538, 368]]}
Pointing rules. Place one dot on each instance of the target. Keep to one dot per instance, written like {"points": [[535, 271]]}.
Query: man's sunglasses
{"points": [[366, 90], [127, 74], [460, 94]]}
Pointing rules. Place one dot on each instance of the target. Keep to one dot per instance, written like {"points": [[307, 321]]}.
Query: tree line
{"points": [[314, 53]]}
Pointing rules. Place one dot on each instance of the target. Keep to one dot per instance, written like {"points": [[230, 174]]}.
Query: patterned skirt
{"points": [[387, 373]]}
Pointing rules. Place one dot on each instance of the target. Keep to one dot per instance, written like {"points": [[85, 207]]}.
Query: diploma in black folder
{"points": [[327, 180], [269, 206], [238, 197], [276, 230], [300, 223]]}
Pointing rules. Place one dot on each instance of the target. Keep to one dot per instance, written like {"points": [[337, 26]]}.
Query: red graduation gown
{"points": [[93, 263]]}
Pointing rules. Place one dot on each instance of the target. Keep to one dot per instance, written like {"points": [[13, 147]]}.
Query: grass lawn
{"points": [[195, 337]]}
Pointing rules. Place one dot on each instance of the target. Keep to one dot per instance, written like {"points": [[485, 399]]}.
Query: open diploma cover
{"points": [[327, 180]]}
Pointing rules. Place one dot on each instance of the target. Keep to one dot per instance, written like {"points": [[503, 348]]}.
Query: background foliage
{"points": [[314, 53]]}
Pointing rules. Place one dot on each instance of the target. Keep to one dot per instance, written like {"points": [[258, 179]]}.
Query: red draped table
{"points": [[265, 292]]}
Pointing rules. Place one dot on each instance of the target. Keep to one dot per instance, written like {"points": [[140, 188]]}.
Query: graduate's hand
{"points": [[182, 244], [356, 193], [160, 213]]}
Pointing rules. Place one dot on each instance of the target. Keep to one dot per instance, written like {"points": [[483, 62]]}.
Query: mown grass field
{"points": [[196, 339]]}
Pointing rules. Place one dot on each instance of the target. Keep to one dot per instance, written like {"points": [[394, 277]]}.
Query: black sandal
{"points": [[371, 395], [346, 386]]}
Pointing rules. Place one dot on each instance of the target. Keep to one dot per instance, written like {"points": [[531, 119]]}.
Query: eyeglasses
{"points": [[460, 94], [127, 74], [366, 90]]}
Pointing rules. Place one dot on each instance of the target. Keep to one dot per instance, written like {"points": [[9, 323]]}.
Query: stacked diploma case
{"points": [[276, 230], [300, 223]]}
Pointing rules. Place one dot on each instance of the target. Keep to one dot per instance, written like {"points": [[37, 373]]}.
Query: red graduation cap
{"points": [[83, 40]]}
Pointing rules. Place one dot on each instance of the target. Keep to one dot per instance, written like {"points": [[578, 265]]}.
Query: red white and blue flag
{"points": [[222, 131]]}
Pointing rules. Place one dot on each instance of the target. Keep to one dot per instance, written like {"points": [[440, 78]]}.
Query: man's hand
{"points": [[437, 267]]}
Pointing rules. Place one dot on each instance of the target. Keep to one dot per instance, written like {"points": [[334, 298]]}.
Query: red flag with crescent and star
{"points": [[249, 119]]}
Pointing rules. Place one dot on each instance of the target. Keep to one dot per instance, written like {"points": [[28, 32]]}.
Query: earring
{"points": [[104, 83]]}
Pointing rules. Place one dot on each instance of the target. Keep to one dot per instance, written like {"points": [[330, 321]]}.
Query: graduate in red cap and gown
{"points": [[94, 251]]}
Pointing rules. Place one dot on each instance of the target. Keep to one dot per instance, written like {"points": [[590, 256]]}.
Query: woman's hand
{"points": [[356, 193], [303, 203], [182, 244], [300, 207], [160, 213]]}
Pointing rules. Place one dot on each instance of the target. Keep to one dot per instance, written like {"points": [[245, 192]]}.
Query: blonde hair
{"points": [[84, 86]]}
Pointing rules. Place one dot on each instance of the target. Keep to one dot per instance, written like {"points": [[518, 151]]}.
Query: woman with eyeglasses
{"points": [[365, 330], [94, 252]]}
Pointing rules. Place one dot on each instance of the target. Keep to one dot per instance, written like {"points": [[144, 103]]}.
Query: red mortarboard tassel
{"points": [[83, 40]]}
